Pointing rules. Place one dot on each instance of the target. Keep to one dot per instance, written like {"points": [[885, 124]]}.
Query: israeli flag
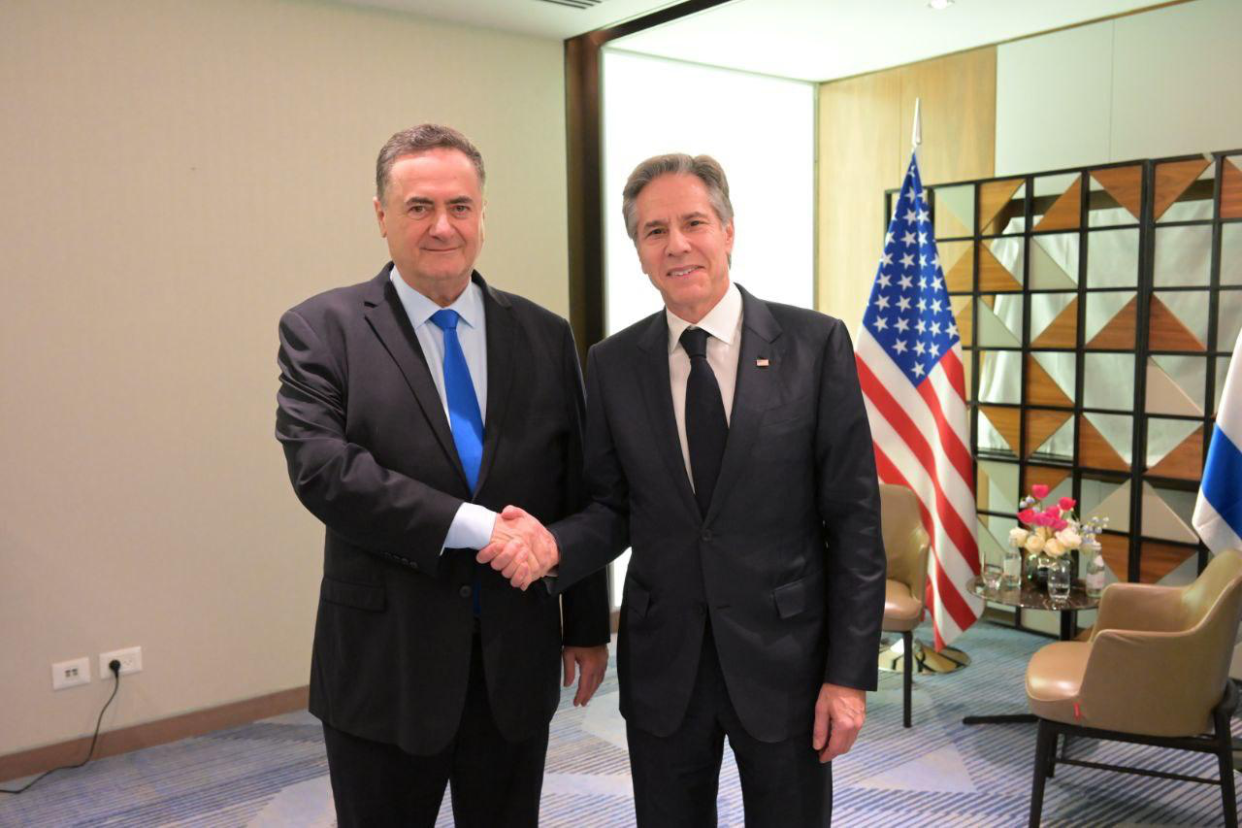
{"points": [[1218, 511]]}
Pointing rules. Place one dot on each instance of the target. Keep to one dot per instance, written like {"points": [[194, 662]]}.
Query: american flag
{"points": [[910, 367]]}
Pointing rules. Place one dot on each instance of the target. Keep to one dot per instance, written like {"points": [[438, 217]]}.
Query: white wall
{"points": [[1164, 82], [175, 175]]}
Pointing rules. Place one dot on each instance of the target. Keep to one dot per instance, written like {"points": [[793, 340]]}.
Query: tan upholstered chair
{"points": [[906, 545], [1155, 671]]}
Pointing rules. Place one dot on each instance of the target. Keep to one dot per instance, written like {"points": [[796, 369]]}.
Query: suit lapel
{"points": [[501, 341], [755, 390], [387, 317], [657, 392]]}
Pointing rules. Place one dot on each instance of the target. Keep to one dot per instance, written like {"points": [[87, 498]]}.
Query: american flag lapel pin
{"points": [[762, 362]]}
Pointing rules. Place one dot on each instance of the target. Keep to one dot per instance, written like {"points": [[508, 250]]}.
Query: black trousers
{"points": [[494, 782], [676, 777]]}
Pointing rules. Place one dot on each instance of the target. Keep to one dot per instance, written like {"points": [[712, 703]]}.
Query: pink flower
{"points": [[1040, 491], [1066, 503], [1042, 519], [1052, 512], [1060, 524], [1027, 516]]}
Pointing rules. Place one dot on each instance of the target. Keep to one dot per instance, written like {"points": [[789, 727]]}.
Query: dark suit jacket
{"points": [[371, 455], [789, 560]]}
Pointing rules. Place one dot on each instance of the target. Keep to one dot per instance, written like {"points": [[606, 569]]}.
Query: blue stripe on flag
{"points": [[1222, 479]]}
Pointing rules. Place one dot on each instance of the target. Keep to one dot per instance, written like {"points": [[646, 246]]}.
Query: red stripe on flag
{"points": [[953, 369], [953, 523], [961, 612], [958, 454]]}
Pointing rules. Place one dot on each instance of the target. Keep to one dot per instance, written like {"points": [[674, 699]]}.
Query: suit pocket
{"points": [[637, 598], [796, 597], [358, 596]]}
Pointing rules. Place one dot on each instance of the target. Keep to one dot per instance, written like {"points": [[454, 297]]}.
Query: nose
{"points": [[677, 242], [441, 227]]}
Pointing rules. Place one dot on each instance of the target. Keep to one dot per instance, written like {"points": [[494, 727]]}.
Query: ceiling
{"points": [[557, 19], [805, 39], [821, 40]]}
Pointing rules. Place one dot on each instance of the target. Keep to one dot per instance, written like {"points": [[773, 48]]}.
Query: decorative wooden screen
{"points": [[1098, 309]]}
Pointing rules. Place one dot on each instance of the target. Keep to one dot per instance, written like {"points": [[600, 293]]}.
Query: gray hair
{"points": [[422, 138], [706, 168]]}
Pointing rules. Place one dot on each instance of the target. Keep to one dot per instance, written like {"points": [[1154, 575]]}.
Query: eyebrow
{"points": [[424, 200]]}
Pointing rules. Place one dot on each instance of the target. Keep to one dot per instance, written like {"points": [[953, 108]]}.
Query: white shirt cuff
{"points": [[471, 528]]}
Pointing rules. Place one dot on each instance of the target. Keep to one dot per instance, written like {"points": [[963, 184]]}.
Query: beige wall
{"points": [[175, 174], [865, 126]]}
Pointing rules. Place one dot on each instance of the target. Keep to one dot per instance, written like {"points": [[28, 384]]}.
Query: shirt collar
{"points": [[721, 321], [419, 308]]}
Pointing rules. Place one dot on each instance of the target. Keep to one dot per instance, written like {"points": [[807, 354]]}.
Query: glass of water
{"points": [[1059, 580], [992, 576]]}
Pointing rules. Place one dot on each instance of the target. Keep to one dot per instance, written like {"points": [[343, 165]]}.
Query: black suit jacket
{"points": [[789, 560], [371, 455]]}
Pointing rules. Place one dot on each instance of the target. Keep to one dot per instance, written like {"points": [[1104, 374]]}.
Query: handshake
{"points": [[521, 549]]}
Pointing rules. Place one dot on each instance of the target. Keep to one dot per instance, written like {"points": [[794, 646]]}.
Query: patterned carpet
{"points": [[939, 773]]}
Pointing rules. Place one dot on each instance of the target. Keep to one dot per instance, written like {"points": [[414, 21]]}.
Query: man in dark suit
{"points": [[410, 407], [728, 443]]}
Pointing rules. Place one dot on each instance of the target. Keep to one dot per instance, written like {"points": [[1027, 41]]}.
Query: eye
{"points": [[461, 209], [418, 209], [655, 231]]}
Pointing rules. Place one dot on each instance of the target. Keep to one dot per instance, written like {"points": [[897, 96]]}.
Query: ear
{"points": [[379, 216], [728, 231]]}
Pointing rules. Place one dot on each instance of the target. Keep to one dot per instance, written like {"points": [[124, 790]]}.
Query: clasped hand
{"points": [[521, 549]]}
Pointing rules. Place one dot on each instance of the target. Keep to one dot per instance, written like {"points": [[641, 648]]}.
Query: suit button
{"points": [[414, 566], [707, 535], [465, 591]]}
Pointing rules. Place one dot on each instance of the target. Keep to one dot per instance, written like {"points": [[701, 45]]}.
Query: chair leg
{"points": [[1052, 756], [1045, 743], [1224, 758], [907, 642]]}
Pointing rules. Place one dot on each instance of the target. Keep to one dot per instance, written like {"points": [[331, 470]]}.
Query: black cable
{"points": [[115, 667]]}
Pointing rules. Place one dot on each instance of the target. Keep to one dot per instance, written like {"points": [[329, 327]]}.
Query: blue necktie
{"points": [[464, 416]]}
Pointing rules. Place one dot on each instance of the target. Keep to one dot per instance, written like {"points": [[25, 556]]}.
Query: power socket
{"points": [[71, 673], [130, 658]]}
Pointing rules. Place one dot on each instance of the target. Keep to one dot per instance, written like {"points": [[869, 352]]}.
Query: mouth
{"points": [[682, 272]]}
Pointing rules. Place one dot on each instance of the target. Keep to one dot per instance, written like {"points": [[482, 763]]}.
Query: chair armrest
{"points": [[1140, 607], [1154, 683]]}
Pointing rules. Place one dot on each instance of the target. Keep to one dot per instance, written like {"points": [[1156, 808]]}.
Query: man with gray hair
{"points": [[413, 407], [728, 443]]}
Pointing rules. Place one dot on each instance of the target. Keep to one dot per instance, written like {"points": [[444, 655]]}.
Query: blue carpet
{"points": [[938, 773]]}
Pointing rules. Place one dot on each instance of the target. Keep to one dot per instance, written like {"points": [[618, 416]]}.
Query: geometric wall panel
{"points": [[1231, 189], [1167, 331], [1047, 272], [1054, 262], [1185, 459], [1172, 181], [1050, 378], [1124, 185], [1041, 426], [996, 205], [1158, 559], [1095, 450], [1121, 312], [1165, 395], [1064, 212], [1061, 331]]}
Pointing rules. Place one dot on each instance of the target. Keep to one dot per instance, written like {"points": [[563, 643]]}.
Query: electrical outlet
{"points": [[71, 673], [130, 658]]}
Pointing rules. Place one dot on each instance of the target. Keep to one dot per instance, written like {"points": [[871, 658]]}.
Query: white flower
{"points": [[1018, 536], [1069, 538], [1053, 548], [1034, 543]]}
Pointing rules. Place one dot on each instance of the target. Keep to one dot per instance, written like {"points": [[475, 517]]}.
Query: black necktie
{"points": [[706, 426]]}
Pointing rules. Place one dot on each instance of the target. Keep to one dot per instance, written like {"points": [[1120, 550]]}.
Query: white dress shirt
{"points": [[724, 347], [472, 525]]}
